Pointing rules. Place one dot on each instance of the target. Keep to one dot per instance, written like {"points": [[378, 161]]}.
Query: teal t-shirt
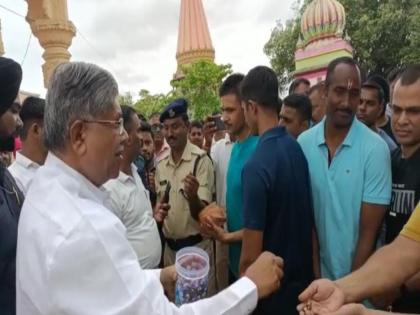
{"points": [[241, 152]]}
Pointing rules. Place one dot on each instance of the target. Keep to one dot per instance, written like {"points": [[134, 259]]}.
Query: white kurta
{"points": [[23, 171], [131, 204], [73, 257]]}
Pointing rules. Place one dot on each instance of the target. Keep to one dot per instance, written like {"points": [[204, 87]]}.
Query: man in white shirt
{"points": [[33, 153], [130, 200], [73, 255], [220, 155]]}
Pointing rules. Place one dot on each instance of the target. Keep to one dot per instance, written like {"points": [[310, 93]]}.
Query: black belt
{"points": [[176, 245]]}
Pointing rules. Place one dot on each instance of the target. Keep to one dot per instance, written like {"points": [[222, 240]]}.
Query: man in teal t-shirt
{"points": [[241, 152], [234, 119]]}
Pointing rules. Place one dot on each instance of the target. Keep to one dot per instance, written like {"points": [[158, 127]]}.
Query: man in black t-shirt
{"points": [[405, 169]]}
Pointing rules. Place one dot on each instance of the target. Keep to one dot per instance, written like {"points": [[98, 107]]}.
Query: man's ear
{"points": [[382, 109], [253, 107], [324, 91], [78, 137], [130, 139], [36, 129]]}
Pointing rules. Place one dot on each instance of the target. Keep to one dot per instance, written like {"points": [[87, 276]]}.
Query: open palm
{"points": [[323, 296]]}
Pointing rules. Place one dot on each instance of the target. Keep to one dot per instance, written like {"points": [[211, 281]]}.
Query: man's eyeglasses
{"points": [[116, 123]]}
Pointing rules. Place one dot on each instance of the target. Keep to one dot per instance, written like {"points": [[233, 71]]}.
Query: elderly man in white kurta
{"points": [[73, 256]]}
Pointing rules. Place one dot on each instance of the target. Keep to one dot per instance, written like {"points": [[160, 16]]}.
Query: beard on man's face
{"points": [[7, 144]]}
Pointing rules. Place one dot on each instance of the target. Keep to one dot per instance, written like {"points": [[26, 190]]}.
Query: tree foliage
{"points": [[152, 103], [383, 33], [126, 99], [200, 87]]}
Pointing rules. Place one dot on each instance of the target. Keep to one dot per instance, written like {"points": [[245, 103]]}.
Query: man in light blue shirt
{"points": [[350, 174]]}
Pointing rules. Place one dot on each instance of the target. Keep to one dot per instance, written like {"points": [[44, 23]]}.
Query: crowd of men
{"points": [[305, 205]]}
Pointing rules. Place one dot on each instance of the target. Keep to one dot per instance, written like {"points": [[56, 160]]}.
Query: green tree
{"points": [[280, 49], [126, 99], [200, 86], [152, 103], [383, 33]]}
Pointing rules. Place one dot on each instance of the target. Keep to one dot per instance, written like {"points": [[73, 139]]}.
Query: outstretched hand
{"points": [[321, 297]]}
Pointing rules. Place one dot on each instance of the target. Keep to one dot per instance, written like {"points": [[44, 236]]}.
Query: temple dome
{"points": [[322, 19]]}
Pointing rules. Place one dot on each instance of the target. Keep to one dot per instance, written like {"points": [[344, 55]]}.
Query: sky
{"points": [[136, 39]]}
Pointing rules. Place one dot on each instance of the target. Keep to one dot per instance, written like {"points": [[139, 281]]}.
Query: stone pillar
{"points": [[50, 24], [1, 43]]}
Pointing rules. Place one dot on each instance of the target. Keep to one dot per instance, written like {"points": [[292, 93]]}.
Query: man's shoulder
{"points": [[120, 186], [198, 154], [55, 209], [221, 150], [14, 168], [196, 150], [308, 137], [372, 142]]}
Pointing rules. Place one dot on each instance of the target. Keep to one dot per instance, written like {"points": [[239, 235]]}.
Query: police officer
{"points": [[11, 198], [189, 172]]}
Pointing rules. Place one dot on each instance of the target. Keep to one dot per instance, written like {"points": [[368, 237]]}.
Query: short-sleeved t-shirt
{"points": [[412, 228], [277, 201], [405, 192], [360, 172], [241, 152]]}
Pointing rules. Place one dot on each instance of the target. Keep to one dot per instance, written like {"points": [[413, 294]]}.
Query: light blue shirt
{"points": [[360, 172]]}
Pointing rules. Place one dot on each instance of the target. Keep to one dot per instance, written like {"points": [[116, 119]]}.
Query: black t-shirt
{"points": [[405, 192], [405, 196]]}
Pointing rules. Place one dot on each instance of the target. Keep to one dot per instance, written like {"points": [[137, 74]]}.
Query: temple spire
{"points": [[194, 41]]}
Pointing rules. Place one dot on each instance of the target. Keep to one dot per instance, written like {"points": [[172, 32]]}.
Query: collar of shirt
{"points": [[186, 155], [75, 181], [164, 148], [163, 153], [227, 139], [348, 141], [25, 162], [273, 132], [124, 178]]}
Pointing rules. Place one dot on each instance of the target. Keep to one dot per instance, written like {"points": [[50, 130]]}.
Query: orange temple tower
{"points": [[194, 41]]}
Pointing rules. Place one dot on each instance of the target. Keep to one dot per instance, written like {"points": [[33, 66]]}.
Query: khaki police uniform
{"points": [[179, 228]]}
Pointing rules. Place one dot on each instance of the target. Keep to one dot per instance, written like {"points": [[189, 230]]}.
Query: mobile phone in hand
{"points": [[218, 122], [165, 198]]}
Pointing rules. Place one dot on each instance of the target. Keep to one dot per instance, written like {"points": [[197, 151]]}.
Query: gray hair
{"points": [[77, 91]]}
